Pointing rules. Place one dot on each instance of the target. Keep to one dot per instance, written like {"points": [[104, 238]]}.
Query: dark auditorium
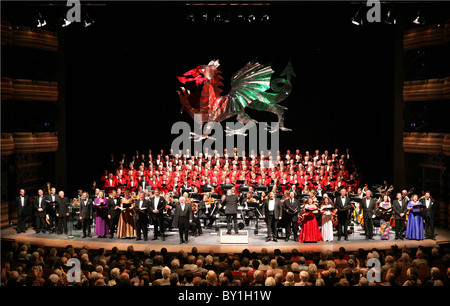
{"points": [[245, 144]]}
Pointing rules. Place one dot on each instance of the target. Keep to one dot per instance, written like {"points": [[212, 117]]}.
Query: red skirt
{"points": [[309, 231]]}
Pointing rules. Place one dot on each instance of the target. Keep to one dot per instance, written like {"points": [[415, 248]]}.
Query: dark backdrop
{"points": [[120, 79]]}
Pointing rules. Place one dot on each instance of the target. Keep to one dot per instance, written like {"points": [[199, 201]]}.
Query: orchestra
{"points": [[307, 196]]}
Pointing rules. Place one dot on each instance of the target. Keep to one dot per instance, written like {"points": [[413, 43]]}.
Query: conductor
{"points": [[231, 204]]}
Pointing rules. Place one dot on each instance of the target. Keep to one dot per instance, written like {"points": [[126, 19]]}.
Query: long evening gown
{"points": [[101, 217], [126, 228], [327, 226], [414, 227], [309, 231]]}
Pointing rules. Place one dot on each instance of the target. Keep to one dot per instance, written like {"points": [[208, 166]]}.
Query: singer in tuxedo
{"points": [[428, 215], [182, 217], [272, 211], [400, 207], [86, 213], [50, 202], [39, 206], [22, 210], [368, 207], [157, 205], [291, 208], [62, 212], [141, 215], [113, 212], [231, 203], [343, 205]]}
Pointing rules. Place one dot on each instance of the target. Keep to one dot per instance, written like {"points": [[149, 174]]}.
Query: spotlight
{"points": [[65, 22], [190, 17], [251, 18], [390, 19], [40, 21], [357, 19], [419, 19], [205, 16], [218, 18], [265, 18], [88, 21]]}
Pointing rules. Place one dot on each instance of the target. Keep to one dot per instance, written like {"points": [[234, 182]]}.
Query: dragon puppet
{"points": [[249, 89]]}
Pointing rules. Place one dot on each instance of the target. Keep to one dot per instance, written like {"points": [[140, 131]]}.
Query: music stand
{"points": [[226, 187], [243, 188], [261, 188], [206, 188]]}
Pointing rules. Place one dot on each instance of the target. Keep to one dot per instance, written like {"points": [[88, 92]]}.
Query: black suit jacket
{"points": [[22, 210], [343, 208], [160, 205], [114, 213], [141, 214], [290, 207], [278, 209], [178, 212], [430, 210], [86, 211], [62, 206], [399, 208], [231, 202], [36, 205], [368, 212]]}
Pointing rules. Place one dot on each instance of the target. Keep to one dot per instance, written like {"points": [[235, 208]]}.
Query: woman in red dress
{"points": [[309, 229]]}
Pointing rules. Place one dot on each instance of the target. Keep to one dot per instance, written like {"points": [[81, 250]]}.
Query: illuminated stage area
{"points": [[210, 240]]}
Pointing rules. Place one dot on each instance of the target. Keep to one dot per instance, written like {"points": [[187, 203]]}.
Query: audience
{"points": [[28, 265]]}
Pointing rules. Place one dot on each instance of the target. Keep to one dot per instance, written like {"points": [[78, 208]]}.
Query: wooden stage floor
{"points": [[210, 240]]}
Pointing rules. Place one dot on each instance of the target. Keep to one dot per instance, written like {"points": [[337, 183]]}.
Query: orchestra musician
{"points": [[206, 209], [247, 213], [342, 203], [368, 207], [291, 207]]}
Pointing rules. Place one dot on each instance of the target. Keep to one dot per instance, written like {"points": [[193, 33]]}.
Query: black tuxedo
{"points": [[86, 214], [141, 215], [22, 212], [158, 217], [343, 215], [181, 220], [51, 211], [39, 203], [231, 203], [399, 207], [62, 211], [368, 212], [272, 216], [428, 217], [113, 214], [291, 208], [247, 213]]}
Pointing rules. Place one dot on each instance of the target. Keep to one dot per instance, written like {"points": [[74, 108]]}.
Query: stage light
{"points": [[218, 18], [357, 19], [390, 19], [40, 21], [65, 22], [205, 17], [88, 21], [419, 19], [265, 18], [251, 18]]}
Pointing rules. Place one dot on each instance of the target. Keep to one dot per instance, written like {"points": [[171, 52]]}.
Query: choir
{"points": [[309, 195]]}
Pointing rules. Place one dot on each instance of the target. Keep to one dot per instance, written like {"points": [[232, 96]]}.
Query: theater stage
{"points": [[210, 240]]}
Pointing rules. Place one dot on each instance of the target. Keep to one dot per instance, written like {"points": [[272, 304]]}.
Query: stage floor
{"points": [[210, 240]]}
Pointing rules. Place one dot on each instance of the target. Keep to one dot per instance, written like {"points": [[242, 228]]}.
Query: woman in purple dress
{"points": [[414, 227], [101, 215]]}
